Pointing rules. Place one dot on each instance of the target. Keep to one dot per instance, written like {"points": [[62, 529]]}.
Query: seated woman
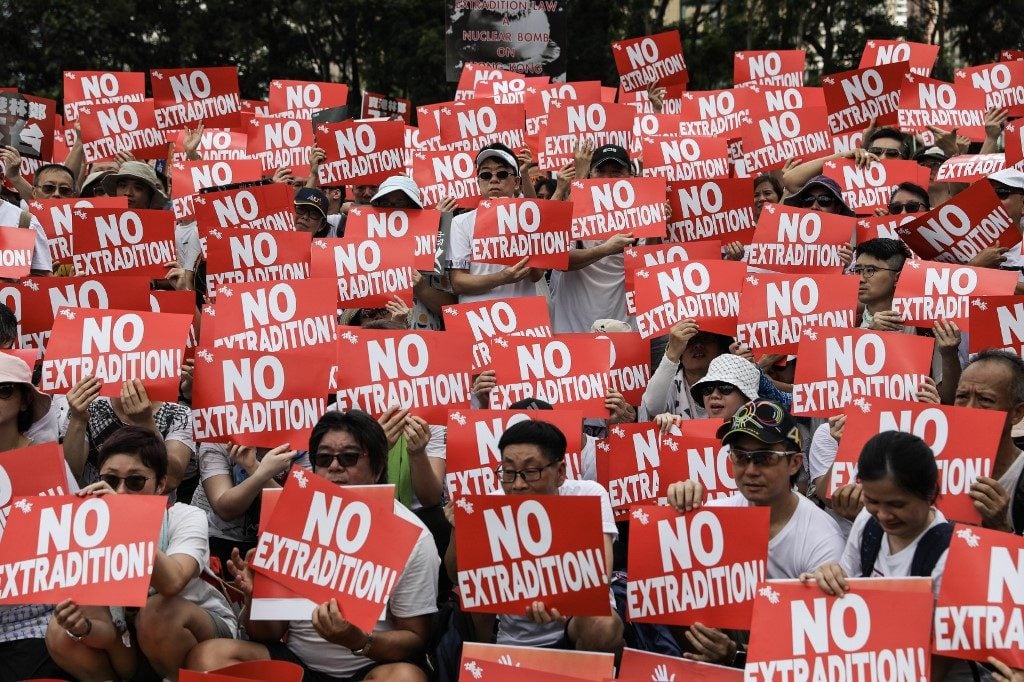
{"points": [[102, 643]]}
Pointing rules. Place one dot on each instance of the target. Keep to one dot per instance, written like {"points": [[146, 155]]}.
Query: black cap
{"points": [[765, 420], [311, 196], [610, 152]]}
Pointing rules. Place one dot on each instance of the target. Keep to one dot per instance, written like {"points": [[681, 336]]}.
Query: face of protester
{"points": [[1012, 199], [987, 385], [764, 193], [13, 401], [139, 194], [531, 463], [54, 183], [494, 186], [699, 353], [361, 194], [396, 199], [821, 200], [879, 286], [724, 401], [901, 514], [130, 470], [543, 191], [344, 448], [308, 219], [763, 484], [903, 201], [610, 169], [886, 148]]}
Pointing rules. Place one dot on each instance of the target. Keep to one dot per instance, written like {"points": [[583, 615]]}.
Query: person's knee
{"points": [[157, 619], [217, 653], [397, 672], [602, 633]]}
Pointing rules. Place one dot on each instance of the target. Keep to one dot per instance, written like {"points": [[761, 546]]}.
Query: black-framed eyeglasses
{"points": [[724, 389], [133, 483], [823, 200], [885, 152], [346, 460], [1003, 192], [868, 271], [907, 207], [761, 458], [487, 175], [531, 475], [7, 391], [49, 189]]}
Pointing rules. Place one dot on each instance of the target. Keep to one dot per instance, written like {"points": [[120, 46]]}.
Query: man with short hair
{"points": [[498, 177], [346, 448], [887, 143], [53, 181]]}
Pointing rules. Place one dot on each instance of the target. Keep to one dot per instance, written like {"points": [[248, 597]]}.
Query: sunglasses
{"points": [[761, 458], [906, 207], [62, 190], [885, 153], [723, 389], [7, 391], [823, 200], [1003, 192], [133, 483], [501, 175], [346, 460]]}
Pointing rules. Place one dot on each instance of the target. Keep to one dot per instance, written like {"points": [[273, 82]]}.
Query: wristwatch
{"points": [[88, 629], [363, 650]]}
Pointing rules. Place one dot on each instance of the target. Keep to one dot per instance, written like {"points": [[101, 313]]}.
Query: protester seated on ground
{"points": [[765, 449], [139, 183], [92, 642], [87, 419], [899, 533], [533, 463], [347, 448]]}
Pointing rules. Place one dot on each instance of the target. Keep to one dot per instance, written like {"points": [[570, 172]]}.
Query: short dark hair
{"points": [[547, 437], [771, 180], [894, 252], [531, 404], [1011, 361], [903, 457], [8, 326], [50, 167], [138, 442], [887, 133], [914, 189], [550, 183], [364, 429]]}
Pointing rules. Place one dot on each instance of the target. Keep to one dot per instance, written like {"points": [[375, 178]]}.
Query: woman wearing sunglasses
{"points": [[820, 194], [102, 643]]}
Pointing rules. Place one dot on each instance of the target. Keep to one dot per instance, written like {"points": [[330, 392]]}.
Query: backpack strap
{"points": [[870, 545], [930, 547], [24, 220]]}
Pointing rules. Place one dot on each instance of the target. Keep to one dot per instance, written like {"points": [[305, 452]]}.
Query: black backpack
{"points": [[933, 543]]}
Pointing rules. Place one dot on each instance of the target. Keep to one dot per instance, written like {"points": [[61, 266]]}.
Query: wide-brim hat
{"points": [[825, 183], [14, 370], [144, 173], [399, 183]]}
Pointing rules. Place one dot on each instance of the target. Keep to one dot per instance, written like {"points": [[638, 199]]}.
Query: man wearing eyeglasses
{"points": [[498, 176], [51, 175], [765, 450]]}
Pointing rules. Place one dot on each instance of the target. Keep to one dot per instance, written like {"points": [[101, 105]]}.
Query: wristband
{"points": [[365, 649]]}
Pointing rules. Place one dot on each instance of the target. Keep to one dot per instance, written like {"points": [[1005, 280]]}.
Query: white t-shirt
{"points": [[809, 539], [596, 292], [519, 630], [462, 259], [10, 215], [188, 533], [415, 594], [889, 565], [186, 241]]}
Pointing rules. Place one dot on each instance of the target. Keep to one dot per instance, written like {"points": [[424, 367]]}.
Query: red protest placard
{"points": [[376, 105], [970, 167], [703, 457], [1013, 143], [675, 157], [928, 102], [97, 551], [640, 257], [264, 207], [366, 222], [572, 122], [799, 629], [215, 144], [928, 291], [115, 346], [186, 97], [602, 208], [16, 247], [189, 177], [340, 526], [55, 217], [631, 365], [256, 398], [423, 372], [270, 599], [524, 533], [35, 470], [280, 142], [128, 241], [641, 666], [485, 320], [570, 373], [509, 90], [101, 87], [582, 665], [368, 275], [775, 309], [127, 127], [715, 112], [799, 240], [360, 153], [962, 227], [776, 138], [652, 125], [28, 127], [706, 291], [508, 230], [674, 556], [855, 98], [921, 56], [865, 189], [839, 367], [769, 67], [301, 99], [238, 255], [651, 60], [274, 316], [472, 445], [537, 102], [472, 125], [1002, 83], [499, 671], [446, 173], [978, 613], [712, 209], [964, 440], [473, 74], [997, 322], [871, 227], [631, 467], [770, 99]]}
